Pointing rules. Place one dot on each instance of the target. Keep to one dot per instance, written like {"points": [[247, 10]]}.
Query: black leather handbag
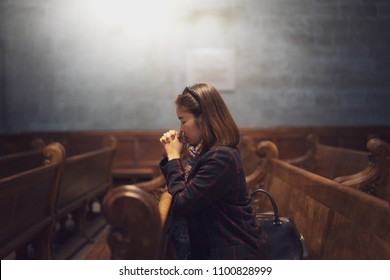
{"points": [[282, 238]]}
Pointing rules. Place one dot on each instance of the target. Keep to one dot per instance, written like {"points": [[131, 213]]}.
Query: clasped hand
{"points": [[171, 143]]}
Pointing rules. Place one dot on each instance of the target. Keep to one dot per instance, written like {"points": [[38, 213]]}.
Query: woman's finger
{"points": [[168, 136], [164, 140]]}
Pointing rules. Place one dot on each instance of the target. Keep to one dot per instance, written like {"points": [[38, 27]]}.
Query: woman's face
{"points": [[189, 126]]}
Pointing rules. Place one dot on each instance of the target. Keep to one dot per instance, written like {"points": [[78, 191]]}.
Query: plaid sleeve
{"points": [[215, 169]]}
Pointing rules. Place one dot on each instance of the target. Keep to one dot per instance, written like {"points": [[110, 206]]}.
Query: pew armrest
{"points": [[163, 206], [137, 223]]}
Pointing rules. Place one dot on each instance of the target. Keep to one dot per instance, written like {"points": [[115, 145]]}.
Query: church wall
{"points": [[91, 65]]}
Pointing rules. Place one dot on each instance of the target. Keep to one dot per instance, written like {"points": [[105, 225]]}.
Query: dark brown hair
{"points": [[216, 123]]}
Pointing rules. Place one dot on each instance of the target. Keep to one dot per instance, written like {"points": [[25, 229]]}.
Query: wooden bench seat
{"points": [[338, 222], [27, 202]]}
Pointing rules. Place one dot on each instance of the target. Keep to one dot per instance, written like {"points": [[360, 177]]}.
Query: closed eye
{"points": [[182, 121]]}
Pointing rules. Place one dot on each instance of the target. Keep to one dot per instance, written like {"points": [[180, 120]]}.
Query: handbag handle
{"points": [[276, 211]]}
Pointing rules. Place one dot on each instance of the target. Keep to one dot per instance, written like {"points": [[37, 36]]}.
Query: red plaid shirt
{"points": [[222, 224]]}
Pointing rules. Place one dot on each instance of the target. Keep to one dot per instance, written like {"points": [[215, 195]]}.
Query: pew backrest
{"points": [[364, 170], [13, 144], [17, 162], [27, 202], [330, 161], [85, 177]]}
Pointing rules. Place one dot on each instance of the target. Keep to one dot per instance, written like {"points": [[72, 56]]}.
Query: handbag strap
{"points": [[276, 211]]}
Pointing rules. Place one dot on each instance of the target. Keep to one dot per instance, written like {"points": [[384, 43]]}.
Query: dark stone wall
{"points": [[70, 65]]}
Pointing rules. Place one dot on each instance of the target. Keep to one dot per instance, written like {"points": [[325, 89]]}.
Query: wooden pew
{"points": [[132, 212], [375, 177], [13, 144], [363, 170], [330, 161], [247, 148], [85, 177], [27, 202], [138, 151], [17, 162], [136, 222], [338, 222], [137, 215]]}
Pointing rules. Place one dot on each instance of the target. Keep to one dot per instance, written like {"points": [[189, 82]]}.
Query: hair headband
{"points": [[193, 94]]}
